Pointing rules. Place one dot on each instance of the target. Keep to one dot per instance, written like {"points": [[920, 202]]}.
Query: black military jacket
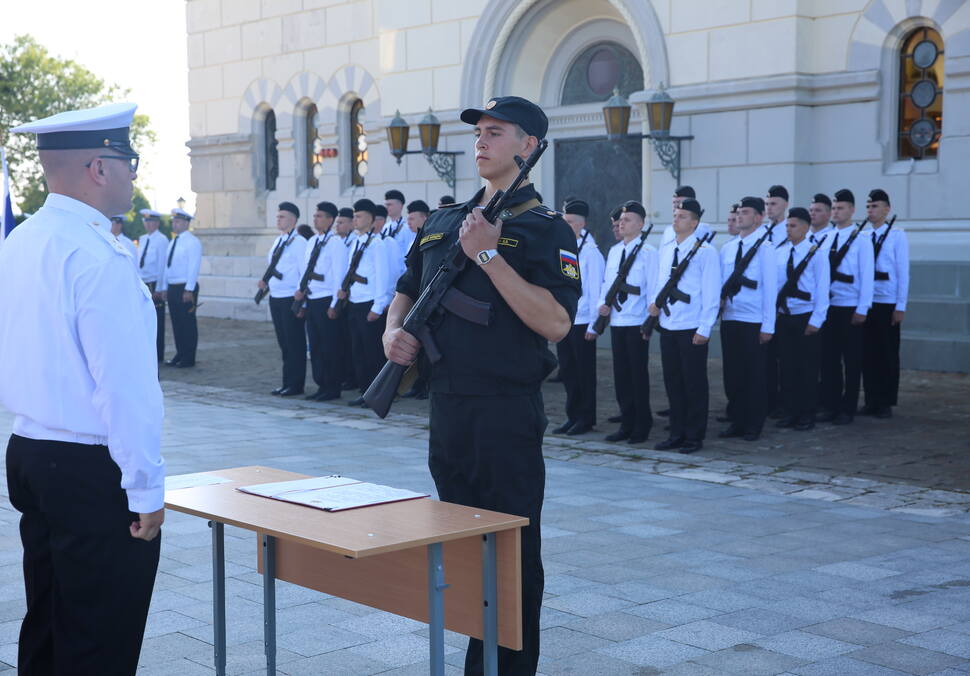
{"points": [[505, 357]]}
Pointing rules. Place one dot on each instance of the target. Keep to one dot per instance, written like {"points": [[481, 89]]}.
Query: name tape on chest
{"points": [[434, 237], [569, 264], [508, 241]]}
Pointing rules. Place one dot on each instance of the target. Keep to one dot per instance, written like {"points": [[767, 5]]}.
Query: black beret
{"points": [[844, 195], [394, 195], [755, 203], [685, 191], [634, 207], [878, 195], [446, 199], [380, 210], [305, 231], [292, 208], [800, 213], [692, 206], [420, 206], [327, 208], [615, 214], [822, 198], [346, 212], [778, 191], [735, 207], [578, 207], [514, 109], [365, 205]]}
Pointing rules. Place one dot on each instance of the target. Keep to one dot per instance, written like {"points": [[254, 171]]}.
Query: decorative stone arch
{"points": [[302, 88], [498, 23], [349, 83], [260, 95]]}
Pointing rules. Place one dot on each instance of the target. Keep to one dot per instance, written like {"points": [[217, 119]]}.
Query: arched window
{"points": [[271, 155], [358, 144], [598, 70], [920, 94], [311, 165]]}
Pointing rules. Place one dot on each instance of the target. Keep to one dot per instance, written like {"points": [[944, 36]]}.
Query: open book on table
{"points": [[331, 493]]}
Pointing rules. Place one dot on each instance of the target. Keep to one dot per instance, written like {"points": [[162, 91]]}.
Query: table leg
{"points": [[269, 602], [219, 596], [490, 603], [436, 608]]}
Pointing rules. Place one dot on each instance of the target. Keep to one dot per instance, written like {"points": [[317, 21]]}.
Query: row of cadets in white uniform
{"points": [[283, 284], [150, 261], [395, 230], [180, 283]]}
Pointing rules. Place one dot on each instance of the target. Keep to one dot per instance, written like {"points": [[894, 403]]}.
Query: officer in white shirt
{"points": [[396, 226], [850, 293], [326, 252], [283, 284], [880, 365], [747, 321], [683, 192], [577, 351], [732, 221], [344, 227], [820, 211], [181, 283], [84, 467], [392, 248], [117, 229], [776, 209], [152, 249], [368, 297], [686, 331], [802, 302]]}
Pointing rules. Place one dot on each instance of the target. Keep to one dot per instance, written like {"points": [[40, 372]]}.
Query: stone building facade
{"points": [[290, 99]]}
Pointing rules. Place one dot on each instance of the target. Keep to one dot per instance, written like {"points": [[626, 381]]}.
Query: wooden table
{"points": [[392, 557]]}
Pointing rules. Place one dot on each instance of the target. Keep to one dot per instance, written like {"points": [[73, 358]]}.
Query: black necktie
{"points": [[141, 264], [737, 254], [790, 267], [622, 295], [171, 252], [673, 266]]}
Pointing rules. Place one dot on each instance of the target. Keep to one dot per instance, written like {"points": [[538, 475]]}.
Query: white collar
{"points": [[91, 215]]}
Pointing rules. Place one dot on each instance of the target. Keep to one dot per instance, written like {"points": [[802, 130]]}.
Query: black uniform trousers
{"points": [[88, 582], [486, 452], [631, 379], [880, 358], [366, 342], [348, 374], [799, 366], [160, 324], [773, 376], [291, 337], [577, 367], [326, 347], [744, 360], [685, 379], [841, 364], [185, 328]]}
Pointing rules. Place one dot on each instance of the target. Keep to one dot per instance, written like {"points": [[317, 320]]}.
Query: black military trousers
{"points": [[291, 337], [744, 361], [577, 368], [185, 328], [486, 452], [159, 323], [773, 376], [841, 364], [631, 379], [880, 357], [799, 366], [88, 582], [326, 346], [366, 343], [348, 374], [685, 379]]}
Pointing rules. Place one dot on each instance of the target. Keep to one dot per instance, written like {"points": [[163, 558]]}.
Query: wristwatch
{"points": [[486, 255]]}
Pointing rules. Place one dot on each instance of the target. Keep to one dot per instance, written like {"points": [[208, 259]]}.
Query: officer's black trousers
{"points": [[841, 364], [880, 357], [799, 365], [88, 582], [631, 379], [744, 360], [185, 330], [773, 376], [326, 347], [486, 452], [348, 374], [366, 343], [160, 324], [685, 379], [291, 337], [577, 368]]}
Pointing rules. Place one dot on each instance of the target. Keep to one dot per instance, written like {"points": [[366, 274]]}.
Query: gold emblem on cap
{"points": [[551, 213], [107, 142], [490, 104]]}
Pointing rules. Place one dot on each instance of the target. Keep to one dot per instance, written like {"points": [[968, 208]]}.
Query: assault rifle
{"points": [[790, 288], [352, 276], [732, 286], [877, 247], [620, 284], [439, 296], [836, 257], [271, 269], [308, 274], [670, 293]]}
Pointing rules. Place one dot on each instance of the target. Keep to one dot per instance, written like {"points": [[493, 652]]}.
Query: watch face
{"points": [[483, 257]]}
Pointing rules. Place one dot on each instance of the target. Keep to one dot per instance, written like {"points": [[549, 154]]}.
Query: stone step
{"points": [[234, 308], [927, 351], [939, 278], [942, 315]]}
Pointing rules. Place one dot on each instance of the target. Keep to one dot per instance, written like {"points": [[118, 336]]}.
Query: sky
{"points": [[138, 45]]}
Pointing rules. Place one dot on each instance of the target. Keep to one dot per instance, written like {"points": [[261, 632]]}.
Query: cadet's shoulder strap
{"points": [[519, 209]]}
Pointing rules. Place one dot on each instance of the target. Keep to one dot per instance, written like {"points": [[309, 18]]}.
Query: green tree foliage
{"points": [[134, 227], [34, 84]]}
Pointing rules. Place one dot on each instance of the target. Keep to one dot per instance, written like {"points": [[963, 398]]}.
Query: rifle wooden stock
{"points": [[381, 392]]}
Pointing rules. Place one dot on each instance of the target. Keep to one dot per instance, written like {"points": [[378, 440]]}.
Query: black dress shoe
{"points": [[579, 428], [312, 397], [884, 413], [562, 429], [184, 365], [277, 391], [803, 426], [291, 391], [664, 413], [615, 418], [619, 435], [359, 401], [731, 432], [752, 436], [327, 396], [172, 362], [785, 422], [670, 443], [690, 447], [868, 410], [637, 438], [842, 419], [825, 416]]}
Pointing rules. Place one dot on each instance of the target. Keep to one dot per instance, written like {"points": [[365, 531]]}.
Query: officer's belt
{"points": [[881, 276], [842, 277], [799, 294]]}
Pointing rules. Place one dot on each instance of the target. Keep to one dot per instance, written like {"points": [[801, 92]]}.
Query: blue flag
{"points": [[7, 222]]}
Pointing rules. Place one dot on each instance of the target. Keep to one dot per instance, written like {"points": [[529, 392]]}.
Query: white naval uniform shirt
{"points": [[814, 280], [754, 306], [701, 281], [643, 274], [778, 234], [825, 232], [80, 366], [151, 259], [703, 229], [373, 267], [893, 260], [331, 264], [290, 265], [186, 259], [403, 235], [128, 245], [858, 263], [591, 268], [395, 262]]}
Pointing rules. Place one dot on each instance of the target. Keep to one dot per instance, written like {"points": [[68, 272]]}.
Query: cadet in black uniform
{"points": [[487, 417]]}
